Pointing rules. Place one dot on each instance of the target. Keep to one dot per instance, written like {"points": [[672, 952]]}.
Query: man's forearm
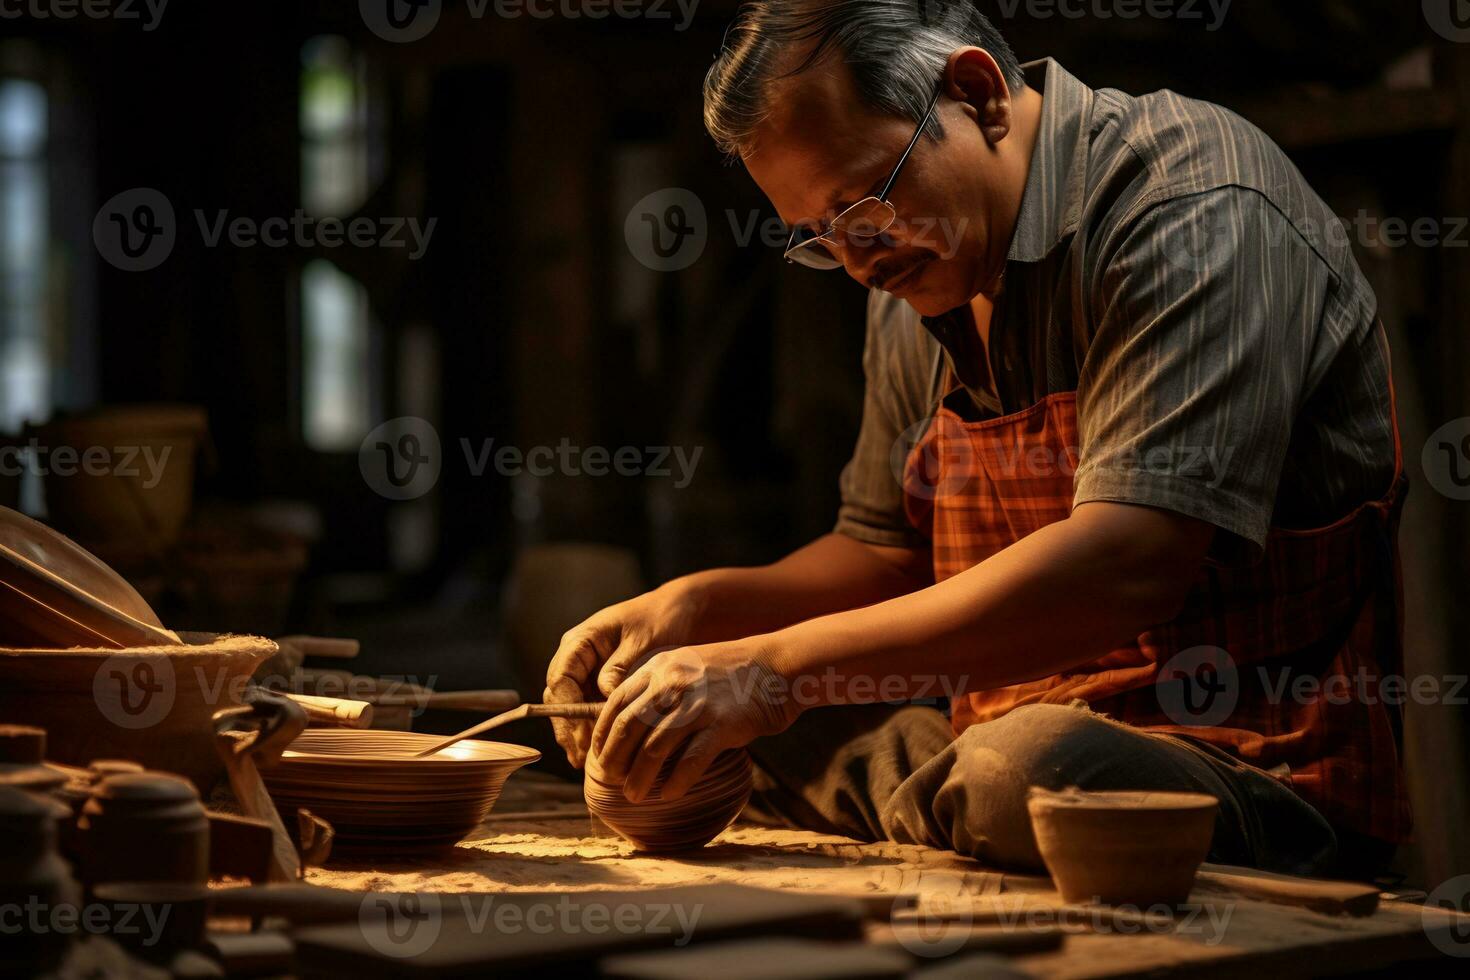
{"points": [[1057, 599], [831, 574]]}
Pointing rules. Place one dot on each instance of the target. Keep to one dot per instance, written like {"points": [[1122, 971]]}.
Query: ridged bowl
{"points": [[379, 798]]}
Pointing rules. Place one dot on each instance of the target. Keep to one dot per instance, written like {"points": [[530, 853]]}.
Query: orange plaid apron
{"points": [[1308, 631]]}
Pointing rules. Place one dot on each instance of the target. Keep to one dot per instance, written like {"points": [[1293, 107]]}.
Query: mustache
{"points": [[887, 270]]}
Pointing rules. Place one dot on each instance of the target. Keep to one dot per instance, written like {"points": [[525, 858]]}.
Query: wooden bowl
{"points": [[1123, 848], [690, 822], [380, 798], [151, 705]]}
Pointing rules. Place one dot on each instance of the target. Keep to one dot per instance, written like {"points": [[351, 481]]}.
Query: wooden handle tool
{"points": [[335, 712], [587, 710]]}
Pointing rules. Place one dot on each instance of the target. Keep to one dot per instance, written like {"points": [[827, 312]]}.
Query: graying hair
{"points": [[896, 50]]}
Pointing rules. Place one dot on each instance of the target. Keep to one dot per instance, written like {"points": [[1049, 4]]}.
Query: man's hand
{"points": [[596, 655], [692, 704]]}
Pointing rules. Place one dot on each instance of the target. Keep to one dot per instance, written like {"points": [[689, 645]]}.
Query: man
{"points": [[1127, 482]]}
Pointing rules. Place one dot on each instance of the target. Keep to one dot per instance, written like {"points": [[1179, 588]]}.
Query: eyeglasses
{"points": [[863, 221]]}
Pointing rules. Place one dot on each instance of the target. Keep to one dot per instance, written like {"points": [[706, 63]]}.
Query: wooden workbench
{"points": [[540, 839]]}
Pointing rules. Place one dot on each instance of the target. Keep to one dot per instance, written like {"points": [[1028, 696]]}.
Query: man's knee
{"points": [[976, 803], [1048, 745]]}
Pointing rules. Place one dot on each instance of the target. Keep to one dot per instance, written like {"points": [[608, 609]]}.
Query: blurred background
{"points": [[552, 254]]}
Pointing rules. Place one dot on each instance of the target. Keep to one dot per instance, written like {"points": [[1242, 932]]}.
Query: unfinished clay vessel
{"points": [[1123, 848], [147, 826], [690, 822], [152, 705]]}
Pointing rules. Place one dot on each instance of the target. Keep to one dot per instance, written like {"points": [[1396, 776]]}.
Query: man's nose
{"points": [[860, 257]]}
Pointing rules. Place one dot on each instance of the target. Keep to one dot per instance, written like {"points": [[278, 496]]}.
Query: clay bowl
{"points": [[152, 705], [1123, 848], [379, 798], [690, 822]]}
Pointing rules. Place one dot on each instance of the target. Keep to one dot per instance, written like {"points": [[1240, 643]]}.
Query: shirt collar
{"points": [[1051, 205]]}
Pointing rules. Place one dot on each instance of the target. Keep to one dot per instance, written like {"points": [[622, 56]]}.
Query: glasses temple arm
{"points": [[923, 125]]}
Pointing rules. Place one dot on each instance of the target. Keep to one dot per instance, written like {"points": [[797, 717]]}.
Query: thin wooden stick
{"points": [[587, 710]]}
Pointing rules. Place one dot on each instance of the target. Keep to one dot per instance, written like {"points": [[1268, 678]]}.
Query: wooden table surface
{"points": [[541, 839]]}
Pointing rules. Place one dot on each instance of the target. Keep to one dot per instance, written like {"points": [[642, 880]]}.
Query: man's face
{"points": [[821, 150]]}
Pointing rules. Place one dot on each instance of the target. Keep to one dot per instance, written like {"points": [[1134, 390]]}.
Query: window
{"points": [[337, 358], [25, 390], [340, 154]]}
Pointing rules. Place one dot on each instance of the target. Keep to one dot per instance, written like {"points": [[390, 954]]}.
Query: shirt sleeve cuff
{"points": [[1246, 523], [885, 536]]}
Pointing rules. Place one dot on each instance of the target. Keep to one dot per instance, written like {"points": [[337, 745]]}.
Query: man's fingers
{"points": [[622, 664], [662, 742], [699, 753], [616, 701], [574, 736], [622, 739], [576, 662]]}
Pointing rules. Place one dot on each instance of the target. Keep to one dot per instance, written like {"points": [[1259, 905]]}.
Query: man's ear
{"points": [[974, 78]]}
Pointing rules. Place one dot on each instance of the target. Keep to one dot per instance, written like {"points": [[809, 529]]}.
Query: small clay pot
{"points": [[147, 826], [33, 879], [1123, 848], [688, 823], [22, 748], [155, 919]]}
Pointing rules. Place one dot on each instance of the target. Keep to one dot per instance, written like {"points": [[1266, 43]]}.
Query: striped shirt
{"points": [[1173, 268]]}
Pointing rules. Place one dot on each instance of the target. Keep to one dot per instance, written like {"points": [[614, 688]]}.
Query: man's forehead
{"points": [[816, 121]]}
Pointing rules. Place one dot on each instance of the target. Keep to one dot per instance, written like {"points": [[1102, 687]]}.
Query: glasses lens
{"points": [[868, 218], [807, 248], [815, 256]]}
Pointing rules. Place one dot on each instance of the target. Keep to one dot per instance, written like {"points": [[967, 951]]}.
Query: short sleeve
{"points": [[1209, 311], [898, 358]]}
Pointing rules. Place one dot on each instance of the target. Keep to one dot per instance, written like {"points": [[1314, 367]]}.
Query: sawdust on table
{"points": [[570, 854]]}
